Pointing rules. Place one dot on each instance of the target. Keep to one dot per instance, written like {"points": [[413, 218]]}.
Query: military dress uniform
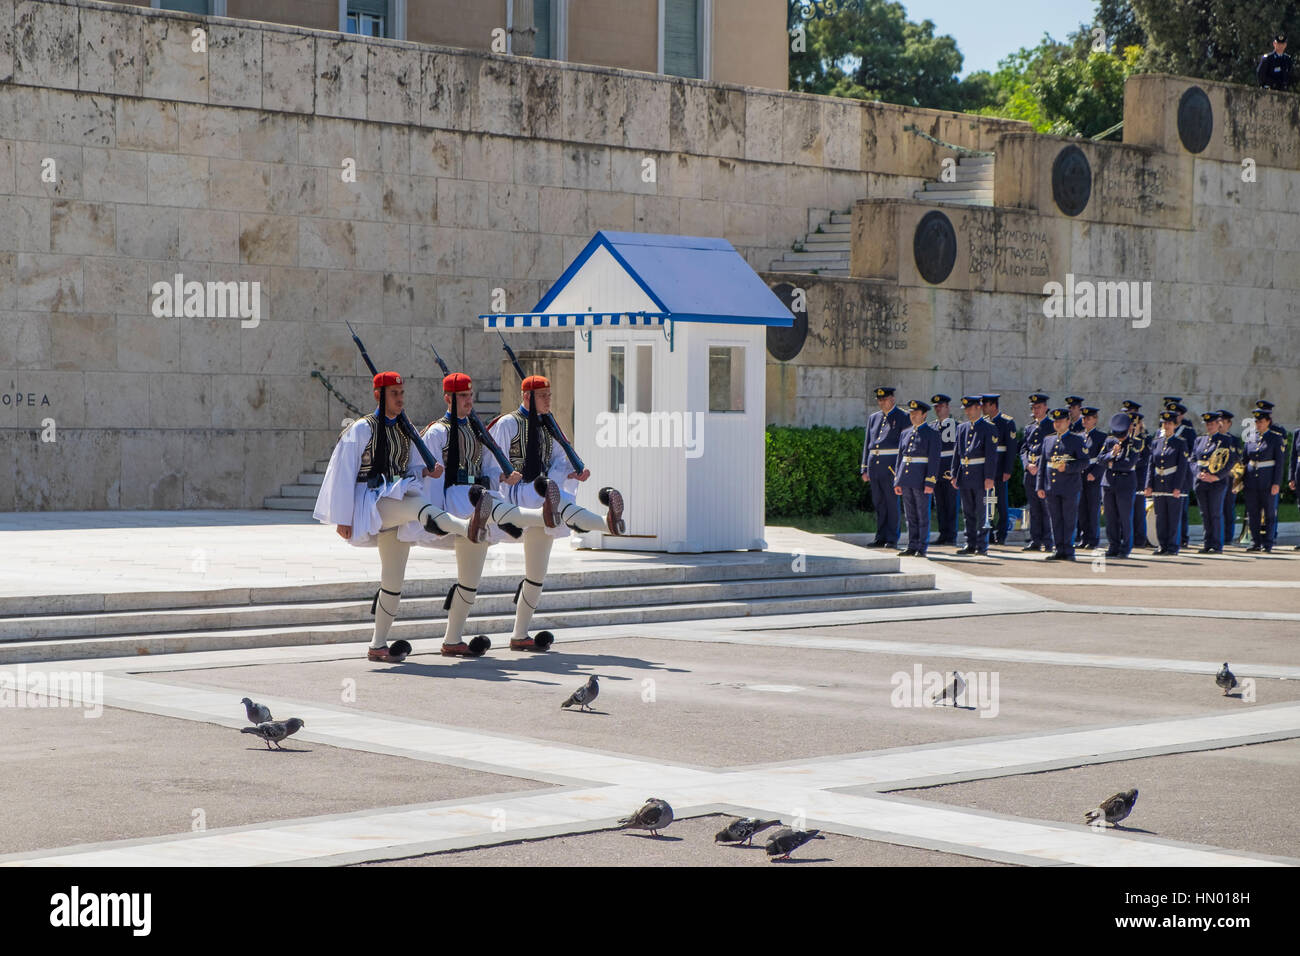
{"points": [[1141, 442], [1076, 424], [1209, 494], [1187, 434], [975, 462], [1119, 461], [1031, 453], [1230, 496], [1090, 490], [1008, 449], [917, 475], [945, 495], [1280, 432], [1265, 463], [1168, 471], [879, 459], [1275, 70], [1060, 481]]}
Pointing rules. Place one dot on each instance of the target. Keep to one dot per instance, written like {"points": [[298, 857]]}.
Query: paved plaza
{"points": [[1084, 680]]}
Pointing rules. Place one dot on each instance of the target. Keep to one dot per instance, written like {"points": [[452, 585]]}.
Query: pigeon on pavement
{"points": [[654, 816], [275, 731], [952, 689], [584, 695], [784, 841], [743, 831], [257, 713], [1226, 679], [1113, 809]]}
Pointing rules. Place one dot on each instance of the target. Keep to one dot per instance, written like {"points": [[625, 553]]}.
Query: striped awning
{"points": [[560, 320]]}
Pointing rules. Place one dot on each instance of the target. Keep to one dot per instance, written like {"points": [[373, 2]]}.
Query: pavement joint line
{"points": [[818, 783], [1104, 581]]}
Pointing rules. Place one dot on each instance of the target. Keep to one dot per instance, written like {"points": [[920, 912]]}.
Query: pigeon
{"points": [[784, 841], [584, 695], [257, 713], [1114, 809], [654, 816], [743, 831], [1226, 679], [952, 689], [275, 731]]}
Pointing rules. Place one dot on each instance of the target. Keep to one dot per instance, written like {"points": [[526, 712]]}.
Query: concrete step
{"points": [[428, 631], [501, 602], [983, 197], [290, 504], [299, 491], [828, 242], [976, 161], [316, 478], [814, 257], [958, 186], [836, 228], [841, 218], [798, 268]]}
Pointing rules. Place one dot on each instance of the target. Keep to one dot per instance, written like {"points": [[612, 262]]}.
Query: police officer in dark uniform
{"points": [[945, 495], [1230, 496], [1031, 454], [1064, 459], [1007, 450], [1119, 460], [1142, 442], [975, 472], [1167, 475], [1274, 69], [917, 475], [1090, 494], [1187, 435], [879, 458], [1211, 482], [1265, 461]]}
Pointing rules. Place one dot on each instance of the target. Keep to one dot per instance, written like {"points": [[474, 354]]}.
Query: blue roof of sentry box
{"points": [[689, 278]]}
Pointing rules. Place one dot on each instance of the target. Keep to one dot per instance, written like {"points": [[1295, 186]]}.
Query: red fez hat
{"points": [[456, 382], [534, 382], [387, 378]]}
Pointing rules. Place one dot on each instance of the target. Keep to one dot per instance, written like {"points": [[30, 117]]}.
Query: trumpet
{"points": [[990, 507], [1059, 460]]}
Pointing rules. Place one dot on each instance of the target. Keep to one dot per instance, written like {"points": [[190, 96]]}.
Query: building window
{"points": [[684, 37], [373, 18], [726, 378], [542, 44], [617, 378], [215, 8], [645, 355]]}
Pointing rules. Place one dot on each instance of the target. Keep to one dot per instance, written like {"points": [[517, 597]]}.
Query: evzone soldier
{"points": [[1119, 461], [1230, 496], [1090, 490], [1007, 450], [1187, 435], [1265, 463], [1064, 459], [379, 495], [975, 470], [1031, 454], [1211, 479], [919, 467], [1167, 474], [945, 495], [879, 458], [549, 482], [1142, 442]]}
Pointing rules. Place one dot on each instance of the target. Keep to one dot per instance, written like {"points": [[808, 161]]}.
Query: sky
{"points": [[987, 30]]}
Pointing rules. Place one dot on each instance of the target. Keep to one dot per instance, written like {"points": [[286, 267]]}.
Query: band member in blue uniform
{"points": [[1211, 482], [1280, 432], [1090, 491], [1064, 460], [1007, 451], [1074, 405], [879, 461], [1295, 466], [1185, 433], [919, 464], [1031, 454], [945, 496], [975, 472], [1142, 442], [1119, 459], [1230, 496], [1265, 463], [1167, 473]]}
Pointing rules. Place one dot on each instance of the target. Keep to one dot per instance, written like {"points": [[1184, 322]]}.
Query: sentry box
{"points": [[670, 346]]}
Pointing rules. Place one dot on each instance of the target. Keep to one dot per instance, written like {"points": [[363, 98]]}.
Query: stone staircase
{"points": [[681, 588], [973, 185], [825, 249]]}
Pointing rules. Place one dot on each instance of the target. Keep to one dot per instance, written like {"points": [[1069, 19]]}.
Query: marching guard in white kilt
{"points": [[550, 483], [379, 496]]}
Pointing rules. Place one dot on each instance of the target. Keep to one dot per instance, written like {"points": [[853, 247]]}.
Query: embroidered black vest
{"points": [[471, 452], [519, 444], [388, 452]]}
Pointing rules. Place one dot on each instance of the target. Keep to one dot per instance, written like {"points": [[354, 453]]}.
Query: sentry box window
{"points": [[726, 378]]}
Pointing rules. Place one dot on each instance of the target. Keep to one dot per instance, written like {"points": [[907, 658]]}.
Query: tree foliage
{"points": [[1211, 39]]}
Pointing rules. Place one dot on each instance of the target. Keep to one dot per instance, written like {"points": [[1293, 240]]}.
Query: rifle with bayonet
{"points": [[548, 420]]}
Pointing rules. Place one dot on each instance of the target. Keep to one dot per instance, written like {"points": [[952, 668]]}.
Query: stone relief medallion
{"points": [[1195, 119], [783, 344], [1071, 180], [934, 246]]}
